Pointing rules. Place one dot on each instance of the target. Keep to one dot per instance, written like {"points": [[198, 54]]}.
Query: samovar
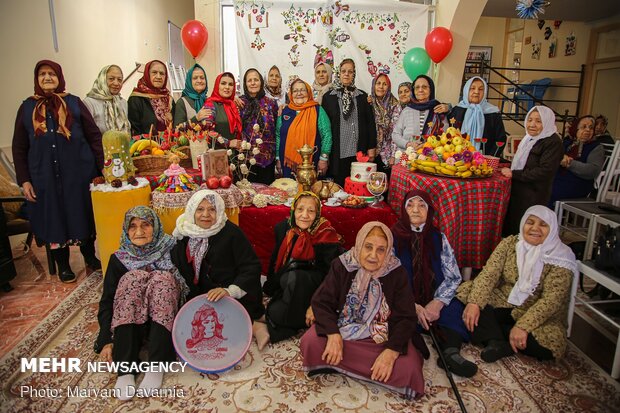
{"points": [[306, 175]]}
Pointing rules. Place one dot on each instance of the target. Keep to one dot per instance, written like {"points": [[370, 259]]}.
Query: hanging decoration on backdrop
{"points": [[194, 35], [553, 46], [571, 45], [529, 9], [536, 50], [296, 35]]}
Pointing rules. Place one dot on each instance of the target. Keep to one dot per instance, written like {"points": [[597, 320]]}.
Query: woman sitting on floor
{"points": [[434, 276], [519, 302], [142, 292], [216, 258], [306, 244], [365, 322]]}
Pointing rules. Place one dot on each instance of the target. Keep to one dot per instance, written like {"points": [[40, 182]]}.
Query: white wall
{"points": [[91, 34]]}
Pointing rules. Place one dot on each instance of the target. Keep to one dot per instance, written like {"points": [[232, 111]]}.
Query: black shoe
{"points": [[325, 370], [457, 364], [67, 276], [7, 287], [93, 263], [496, 350]]}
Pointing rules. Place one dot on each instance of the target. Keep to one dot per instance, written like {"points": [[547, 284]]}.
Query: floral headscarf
{"points": [[160, 98], [365, 296], [152, 256], [199, 237], [190, 92], [319, 232], [115, 117], [51, 101]]}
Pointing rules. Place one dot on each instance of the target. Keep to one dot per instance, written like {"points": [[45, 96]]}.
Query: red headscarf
{"points": [[51, 101], [232, 113], [159, 97], [422, 268], [320, 232]]}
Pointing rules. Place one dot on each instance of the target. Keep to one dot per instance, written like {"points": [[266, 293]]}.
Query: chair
{"points": [[576, 215], [536, 88]]}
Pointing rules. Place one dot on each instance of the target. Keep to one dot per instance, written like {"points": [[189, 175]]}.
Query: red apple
{"points": [[145, 152], [213, 183], [225, 181], [165, 146]]}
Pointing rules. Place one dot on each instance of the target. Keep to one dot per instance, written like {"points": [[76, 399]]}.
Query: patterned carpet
{"points": [[272, 381]]}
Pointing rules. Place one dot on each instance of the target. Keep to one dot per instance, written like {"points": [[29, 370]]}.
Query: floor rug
{"points": [[273, 381]]}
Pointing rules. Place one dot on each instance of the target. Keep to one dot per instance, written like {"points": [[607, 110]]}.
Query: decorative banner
{"points": [[571, 45], [553, 46], [296, 35]]}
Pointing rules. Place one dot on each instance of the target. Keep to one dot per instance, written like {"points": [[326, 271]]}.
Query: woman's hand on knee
{"points": [[106, 353], [217, 294], [333, 349], [433, 310], [518, 339], [383, 365], [471, 314], [309, 316]]}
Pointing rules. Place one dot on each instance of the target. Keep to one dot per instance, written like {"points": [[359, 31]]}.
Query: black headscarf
{"points": [[251, 112]]}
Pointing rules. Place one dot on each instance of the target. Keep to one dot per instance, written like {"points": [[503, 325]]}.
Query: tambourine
{"points": [[212, 337]]}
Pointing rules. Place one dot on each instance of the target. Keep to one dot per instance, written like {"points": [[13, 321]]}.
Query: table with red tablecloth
{"points": [[469, 211], [258, 224]]}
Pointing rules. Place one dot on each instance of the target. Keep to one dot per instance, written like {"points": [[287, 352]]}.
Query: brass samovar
{"points": [[306, 175]]}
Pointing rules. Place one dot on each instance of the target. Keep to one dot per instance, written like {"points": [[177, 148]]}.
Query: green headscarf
{"points": [[190, 92]]}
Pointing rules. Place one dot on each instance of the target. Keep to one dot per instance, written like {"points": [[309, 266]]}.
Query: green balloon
{"points": [[416, 62]]}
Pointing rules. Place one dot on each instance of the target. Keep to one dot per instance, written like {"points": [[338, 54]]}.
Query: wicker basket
{"points": [[185, 162], [150, 164]]}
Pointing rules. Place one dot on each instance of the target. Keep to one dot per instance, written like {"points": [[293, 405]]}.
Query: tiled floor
{"points": [[36, 294]]}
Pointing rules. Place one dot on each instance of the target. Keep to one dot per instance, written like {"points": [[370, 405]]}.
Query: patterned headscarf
{"points": [[190, 92], [383, 106], [346, 91], [319, 90], [115, 117], [160, 98], [429, 105], [364, 298], [152, 256], [51, 101], [251, 111], [473, 122], [409, 86], [199, 237], [276, 91], [319, 232], [232, 112], [531, 259]]}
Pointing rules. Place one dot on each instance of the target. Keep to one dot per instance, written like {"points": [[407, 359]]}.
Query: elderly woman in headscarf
{"points": [[601, 134], [273, 88], [405, 92], [57, 152], [105, 103], [190, 106], [434, 276], [142, 292], [533, 167], [582, 163], [258, 117], [323, 74], [150, 105], [352, 121], [215, 257], [386, 109], [222, 112], [365, 320], [519, 302], [303, 121], [306, 244], [478, 118], [423, 116]]}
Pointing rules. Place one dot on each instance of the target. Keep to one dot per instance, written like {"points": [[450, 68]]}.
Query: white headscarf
{"points": [[199, 237], [531, 259], [523, 151]]}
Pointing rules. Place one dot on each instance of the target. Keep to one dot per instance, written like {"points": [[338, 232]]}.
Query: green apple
{"points": [[457, 140]]}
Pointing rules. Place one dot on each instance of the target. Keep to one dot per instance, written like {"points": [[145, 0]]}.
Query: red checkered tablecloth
{"points": [[258, 223], [469, 211]]}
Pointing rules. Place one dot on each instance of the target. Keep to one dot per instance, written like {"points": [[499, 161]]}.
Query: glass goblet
{"points": [[377, 184]]}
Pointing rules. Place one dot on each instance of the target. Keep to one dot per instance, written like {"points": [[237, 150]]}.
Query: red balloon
{"points": [[194, 35], [438, 43]]}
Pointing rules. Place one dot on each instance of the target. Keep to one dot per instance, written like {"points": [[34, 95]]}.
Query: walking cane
{"points": [[448, 372]]}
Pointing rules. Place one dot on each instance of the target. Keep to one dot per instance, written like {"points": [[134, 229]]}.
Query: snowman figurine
{"points": [[118, 168]]}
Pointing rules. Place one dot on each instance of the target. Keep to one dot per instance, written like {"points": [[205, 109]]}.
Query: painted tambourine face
{"points": [[212, 336]]}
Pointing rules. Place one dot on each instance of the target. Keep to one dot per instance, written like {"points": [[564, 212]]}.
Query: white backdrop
{"points": [[292, 35]]}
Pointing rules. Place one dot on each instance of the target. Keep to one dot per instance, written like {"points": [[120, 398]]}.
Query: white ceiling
{"points": [[570, 10]]}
